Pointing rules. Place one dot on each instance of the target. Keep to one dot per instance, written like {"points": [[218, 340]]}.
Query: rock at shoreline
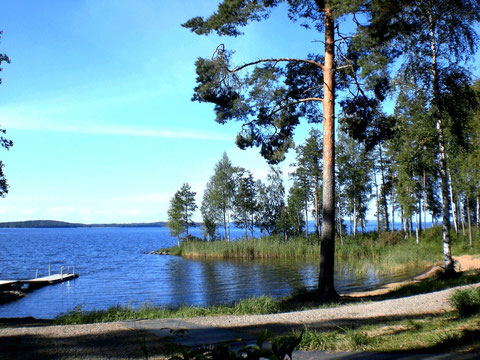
{"points": [[11, 295], [160, 252]]}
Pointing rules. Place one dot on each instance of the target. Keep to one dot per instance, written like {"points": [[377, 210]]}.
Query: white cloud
{"points": [[13, 122]]}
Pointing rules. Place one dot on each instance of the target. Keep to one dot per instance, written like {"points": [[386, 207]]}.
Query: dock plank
{"points": [[37, 282], [51, 279]]}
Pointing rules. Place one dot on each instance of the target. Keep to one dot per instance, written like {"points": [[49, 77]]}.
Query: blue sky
{"points": [[97, 102]]}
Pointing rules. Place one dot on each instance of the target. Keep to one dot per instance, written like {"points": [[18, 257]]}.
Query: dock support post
{"points": [[49, 269], [36, 274], [61, 273], [73, 270]]}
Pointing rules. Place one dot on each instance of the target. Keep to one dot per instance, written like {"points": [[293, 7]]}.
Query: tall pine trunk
{"points": [[326, 288], [447, 243]]}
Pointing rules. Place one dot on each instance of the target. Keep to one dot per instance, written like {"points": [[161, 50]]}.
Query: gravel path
{"points": [[430, 303]]}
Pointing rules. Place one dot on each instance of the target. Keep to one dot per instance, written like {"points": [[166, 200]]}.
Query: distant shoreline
{"points": [[63, 224]]}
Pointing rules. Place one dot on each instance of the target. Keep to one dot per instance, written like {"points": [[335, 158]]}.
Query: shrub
{"points": [[389, 238], [466, 302]]}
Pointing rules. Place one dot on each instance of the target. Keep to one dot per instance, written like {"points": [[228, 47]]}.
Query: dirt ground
{"points": [[463, 263]]}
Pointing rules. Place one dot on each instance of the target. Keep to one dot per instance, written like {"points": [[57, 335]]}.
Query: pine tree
{"points": [[244, 201], [180, 212], [280, 91], [309, 164]]}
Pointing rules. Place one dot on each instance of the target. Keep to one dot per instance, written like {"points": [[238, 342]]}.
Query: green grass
{"points": [[442, 333], [458, 330], [255, 305]]}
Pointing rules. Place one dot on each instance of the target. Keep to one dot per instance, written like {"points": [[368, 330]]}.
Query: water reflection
{"points": [[114, 269]]}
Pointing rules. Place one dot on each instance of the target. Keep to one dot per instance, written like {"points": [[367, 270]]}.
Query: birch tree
{"points": [[434, 39]]}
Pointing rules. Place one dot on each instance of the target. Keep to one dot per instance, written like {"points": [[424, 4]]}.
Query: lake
{"points": [[115, 268]]}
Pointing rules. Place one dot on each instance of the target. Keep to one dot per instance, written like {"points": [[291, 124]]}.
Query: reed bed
{"points": [[385, 252]]}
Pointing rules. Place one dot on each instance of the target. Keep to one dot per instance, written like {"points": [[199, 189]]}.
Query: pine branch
{"points": [[295, 103], [275, 60]]}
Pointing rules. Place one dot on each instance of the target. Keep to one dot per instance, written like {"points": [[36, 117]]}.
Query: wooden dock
{"points": [[37, 282]]}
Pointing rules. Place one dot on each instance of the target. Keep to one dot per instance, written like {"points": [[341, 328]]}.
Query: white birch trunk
{"points": [[454, 206]]}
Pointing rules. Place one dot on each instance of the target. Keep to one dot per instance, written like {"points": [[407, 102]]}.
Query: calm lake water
{"points": [[115, 269]]}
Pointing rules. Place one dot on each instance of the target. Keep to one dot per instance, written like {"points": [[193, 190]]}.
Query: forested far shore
{"points": [[63, 224]]}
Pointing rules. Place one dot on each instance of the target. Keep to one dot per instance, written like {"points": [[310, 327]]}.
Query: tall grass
{"points": [[386, 252], [266, 247], [254, 305]]}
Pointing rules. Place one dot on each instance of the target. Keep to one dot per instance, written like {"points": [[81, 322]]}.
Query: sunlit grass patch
{"points": [[440, 333]]}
